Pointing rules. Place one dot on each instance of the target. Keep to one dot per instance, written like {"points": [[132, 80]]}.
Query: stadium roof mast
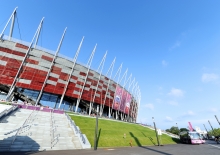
{"points": [[133, 107], [124, 75], [71, 72], [88, 65], [130, 84], [52, 63], [119, 74], [125, 83], [111, 67], [139, 99], [101, 65], [12, 18], [28, 50]]}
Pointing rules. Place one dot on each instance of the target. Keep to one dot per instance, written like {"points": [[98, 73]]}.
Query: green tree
{"points": [[215, 132], [173, 130], [183, 129]]}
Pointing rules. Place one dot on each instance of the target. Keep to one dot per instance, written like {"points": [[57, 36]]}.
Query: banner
{"points": [[117, 99], [123, 100], [127, 103]]}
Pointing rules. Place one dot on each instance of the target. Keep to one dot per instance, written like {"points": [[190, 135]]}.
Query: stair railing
{"points": [[21, 128], [52, 131]]}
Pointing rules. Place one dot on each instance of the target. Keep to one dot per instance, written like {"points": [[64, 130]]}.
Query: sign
{"points": [[159, 132]]}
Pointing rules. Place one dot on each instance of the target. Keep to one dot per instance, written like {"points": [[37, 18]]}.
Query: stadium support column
{"points": [[217, 119], [211, 126], [71, 72], [38, 34], [124, 75], [88, 65], [22, 63], [206, 131], [132, 91], [135, 101], [102, 105], [131, 82], [129, 79], [12, 25], [49, 70], [139, 100], [117, 73], [100, 74], [132, 110]]}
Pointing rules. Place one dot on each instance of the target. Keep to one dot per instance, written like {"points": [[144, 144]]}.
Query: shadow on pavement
{"points": [[144, 147]]}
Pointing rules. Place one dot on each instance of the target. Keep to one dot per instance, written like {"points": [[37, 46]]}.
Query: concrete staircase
{"points": [[30, 130]]}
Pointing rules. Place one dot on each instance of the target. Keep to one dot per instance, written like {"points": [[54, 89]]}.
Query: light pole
{"points": [[178, 129], [158, 142], [96, 129]]}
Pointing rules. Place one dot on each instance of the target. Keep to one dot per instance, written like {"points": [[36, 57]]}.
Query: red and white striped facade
{"points": [[36, 67], [23, 65]]}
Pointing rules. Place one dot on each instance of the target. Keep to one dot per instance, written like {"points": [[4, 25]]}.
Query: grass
{"points": [[111, 133], [5, 103]]}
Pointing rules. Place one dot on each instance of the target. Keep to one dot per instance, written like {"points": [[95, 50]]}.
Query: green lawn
{"points": [[111, 133]]}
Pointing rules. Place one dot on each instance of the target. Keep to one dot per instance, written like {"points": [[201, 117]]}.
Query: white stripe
{"points": [[3, 63], [214, 146], [12, 56]]}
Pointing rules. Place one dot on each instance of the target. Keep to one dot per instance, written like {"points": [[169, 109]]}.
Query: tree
{"points": [[173, 130], [183, 129], [215, 132]]}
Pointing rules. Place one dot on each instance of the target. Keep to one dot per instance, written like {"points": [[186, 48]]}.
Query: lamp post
{"points": [[158, 142], [178, 129], [96, 129]]}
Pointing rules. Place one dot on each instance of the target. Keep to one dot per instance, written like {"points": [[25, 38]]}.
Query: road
{"points": [[178, 149]]}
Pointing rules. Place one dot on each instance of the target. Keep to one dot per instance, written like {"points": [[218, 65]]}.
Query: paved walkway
{"points": [[178, 149]]}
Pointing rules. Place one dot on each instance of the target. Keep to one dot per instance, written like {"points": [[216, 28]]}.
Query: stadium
{"points": [[41, 77]]}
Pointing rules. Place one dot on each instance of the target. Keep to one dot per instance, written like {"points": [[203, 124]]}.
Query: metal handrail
{"points": [[21, 128], [53, 129], [3, 113], [73, 125]]}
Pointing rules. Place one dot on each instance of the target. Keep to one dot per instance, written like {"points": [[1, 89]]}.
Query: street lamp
{"points": [[178, 129], [96, 129], [158, 142]]}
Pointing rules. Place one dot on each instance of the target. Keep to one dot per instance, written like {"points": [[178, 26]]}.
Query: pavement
{"points": [[176, 149]]}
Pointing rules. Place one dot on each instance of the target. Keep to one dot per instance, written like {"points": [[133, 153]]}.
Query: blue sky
{"points": [[171, 47]]}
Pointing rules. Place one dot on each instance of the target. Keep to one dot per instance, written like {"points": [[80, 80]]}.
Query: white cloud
{"points": [[190, 113], [164, 63], [158, 100], [176, 92], [214, 110], [209, 77], [173, 103], [169, 119], [177, 44], [149, 106]]}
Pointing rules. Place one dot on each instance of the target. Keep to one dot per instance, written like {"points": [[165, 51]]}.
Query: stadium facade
{"points": [[42, 77]]}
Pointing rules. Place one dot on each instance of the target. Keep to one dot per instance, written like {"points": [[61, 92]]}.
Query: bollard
{"points": [[131, 143]]}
